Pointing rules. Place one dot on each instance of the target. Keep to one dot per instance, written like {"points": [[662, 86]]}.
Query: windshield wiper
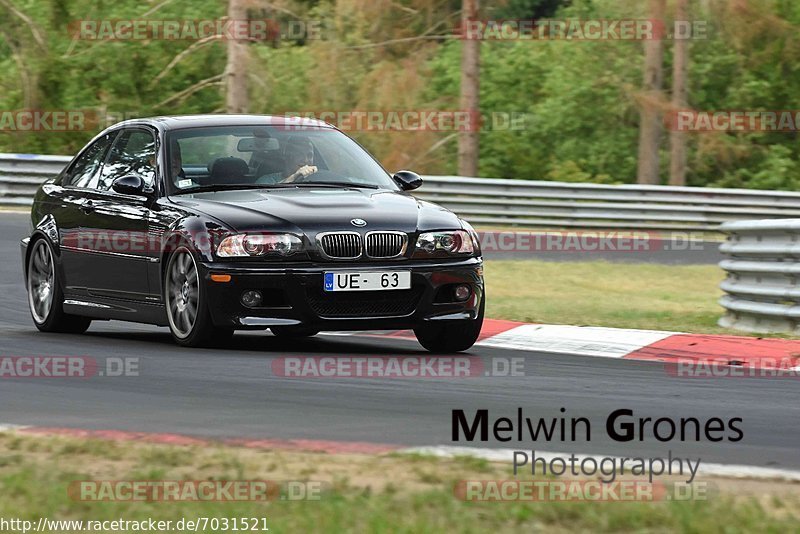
{"points": [[229, 187], [334, 184], [280, 185]]}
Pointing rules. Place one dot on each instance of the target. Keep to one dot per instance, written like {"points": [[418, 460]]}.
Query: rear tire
{"points": [[293, 332], [45, 294], [186, 300], [451, 336]]}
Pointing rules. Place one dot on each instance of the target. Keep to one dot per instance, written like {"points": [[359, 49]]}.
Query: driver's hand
{"points": [[302, 172]]}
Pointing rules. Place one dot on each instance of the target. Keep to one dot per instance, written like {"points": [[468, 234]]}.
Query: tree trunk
{"points": [[677, 139], [236, 98], [470, 85], [650, 127]]}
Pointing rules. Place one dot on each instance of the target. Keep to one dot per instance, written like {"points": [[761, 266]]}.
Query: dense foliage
{"points": [[574, 103]]}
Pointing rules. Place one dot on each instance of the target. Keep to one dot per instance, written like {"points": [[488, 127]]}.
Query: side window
{"points": [[86, 170], [134, 152]]}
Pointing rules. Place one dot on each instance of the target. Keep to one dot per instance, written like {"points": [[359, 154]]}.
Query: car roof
{"points": [[177, 122]]}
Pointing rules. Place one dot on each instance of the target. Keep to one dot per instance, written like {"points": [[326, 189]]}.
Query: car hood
{"points": [[313, 210]]}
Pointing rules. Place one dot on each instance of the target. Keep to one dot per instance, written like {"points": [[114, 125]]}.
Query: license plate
{"points": [[354, 281]]}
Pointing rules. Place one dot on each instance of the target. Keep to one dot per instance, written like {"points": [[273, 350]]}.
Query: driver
{"points": [[299, 154]]}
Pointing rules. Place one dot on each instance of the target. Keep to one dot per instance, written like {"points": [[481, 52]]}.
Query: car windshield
{"points": [[212, 158]]}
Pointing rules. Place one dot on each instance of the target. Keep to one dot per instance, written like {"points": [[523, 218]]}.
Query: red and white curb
{"points": [[344, 447], [629, 344]]}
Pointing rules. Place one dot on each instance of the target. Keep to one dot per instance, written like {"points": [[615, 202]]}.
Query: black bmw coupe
{"points": [[216, 223]]}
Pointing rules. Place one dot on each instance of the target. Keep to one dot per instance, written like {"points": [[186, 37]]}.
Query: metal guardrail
{"points": [[524, 203], [22, 174], [763, 284], [579, 205]]}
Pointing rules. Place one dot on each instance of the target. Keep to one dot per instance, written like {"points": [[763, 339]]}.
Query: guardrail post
{"points": [[763, 267]]}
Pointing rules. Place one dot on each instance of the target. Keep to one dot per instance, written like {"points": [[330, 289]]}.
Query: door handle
{"points": [[87, 207]]}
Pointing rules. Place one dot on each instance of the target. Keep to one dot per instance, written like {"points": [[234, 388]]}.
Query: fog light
{"points": [[462, 293], [251, 299]]}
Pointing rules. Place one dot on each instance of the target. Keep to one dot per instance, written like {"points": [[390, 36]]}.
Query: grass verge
{"points": [[658, 297], [388, 493]]}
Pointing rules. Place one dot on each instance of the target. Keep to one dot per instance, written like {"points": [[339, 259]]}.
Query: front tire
{"points": [[186, 300], [45, 294], [451, 336]]}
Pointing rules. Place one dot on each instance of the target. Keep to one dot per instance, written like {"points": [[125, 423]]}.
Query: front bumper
{"points": [[294, 296]]}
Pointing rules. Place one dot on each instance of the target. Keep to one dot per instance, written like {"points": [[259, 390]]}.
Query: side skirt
{"points": [[107, 309]]}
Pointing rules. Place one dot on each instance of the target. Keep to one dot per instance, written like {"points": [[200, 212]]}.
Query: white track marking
{"points": [[583, 340], [9, 428]]}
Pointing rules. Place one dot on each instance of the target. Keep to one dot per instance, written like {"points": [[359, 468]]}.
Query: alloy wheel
{"points": [[41, 282], [182, 292]]}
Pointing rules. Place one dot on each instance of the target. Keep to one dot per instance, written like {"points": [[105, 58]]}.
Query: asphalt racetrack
{"points": [[234, 394]]}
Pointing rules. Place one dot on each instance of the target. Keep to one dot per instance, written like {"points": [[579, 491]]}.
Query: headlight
{"points": [[455, 242], [247, 245], [476, 240]]}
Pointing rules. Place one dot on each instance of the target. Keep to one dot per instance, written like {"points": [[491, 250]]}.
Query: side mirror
{"points": [[129, 185], [407, 180]]}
